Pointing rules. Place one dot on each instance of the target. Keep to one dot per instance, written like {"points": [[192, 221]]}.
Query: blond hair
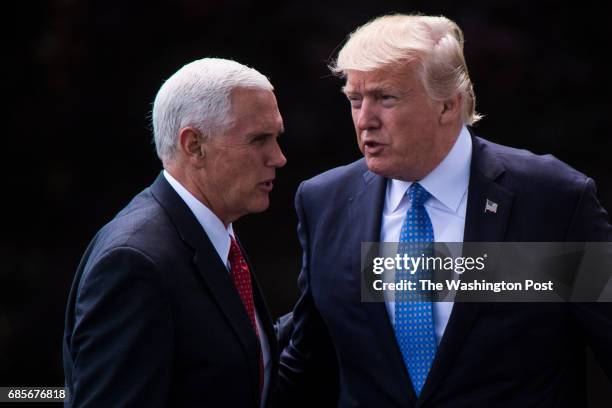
{"points": [[435, 44]]}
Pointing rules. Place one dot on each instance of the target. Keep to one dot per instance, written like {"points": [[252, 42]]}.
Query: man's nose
{"points": [[367, 116], [277, 158]]}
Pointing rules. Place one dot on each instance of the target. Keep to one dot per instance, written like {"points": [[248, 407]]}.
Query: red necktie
{"points": [[242, 280]]}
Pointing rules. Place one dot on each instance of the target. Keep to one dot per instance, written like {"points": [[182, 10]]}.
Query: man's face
{"points": [[240, 165], [397, 125]]}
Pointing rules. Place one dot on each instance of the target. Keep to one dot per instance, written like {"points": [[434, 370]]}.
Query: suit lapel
{"points": [[212, 270], [365, 212], [480, 226], [219, 281], [365, 217], [483, 225]]}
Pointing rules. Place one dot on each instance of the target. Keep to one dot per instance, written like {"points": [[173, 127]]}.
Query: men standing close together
{"points": [[165, 309]]}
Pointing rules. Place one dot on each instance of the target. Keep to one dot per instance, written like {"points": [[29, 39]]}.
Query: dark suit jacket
{"points": [[154, 319], [491, 355]]}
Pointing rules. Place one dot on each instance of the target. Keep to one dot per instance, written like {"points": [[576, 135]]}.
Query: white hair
{"points": [[198, 95], [435, 44]]}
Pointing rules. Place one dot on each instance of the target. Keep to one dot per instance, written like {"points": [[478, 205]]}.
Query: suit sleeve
{"points": [[590, 224], [121, 342], [308, 369], [590, 221]]}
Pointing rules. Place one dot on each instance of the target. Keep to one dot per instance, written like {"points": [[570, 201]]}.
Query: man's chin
{"points": [[260, 205], [384, 169], [378, 166]]}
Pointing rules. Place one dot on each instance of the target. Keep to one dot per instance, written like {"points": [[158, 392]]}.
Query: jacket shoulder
{"points": [[527, 169], [142, 225], [339, 179]]}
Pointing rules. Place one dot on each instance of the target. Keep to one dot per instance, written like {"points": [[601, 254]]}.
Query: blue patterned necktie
{"points": [[414, 325]]}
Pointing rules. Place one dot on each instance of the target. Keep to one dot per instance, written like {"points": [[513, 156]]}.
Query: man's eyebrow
{"points": [[261, 135], [377, 89], [346, 90]]}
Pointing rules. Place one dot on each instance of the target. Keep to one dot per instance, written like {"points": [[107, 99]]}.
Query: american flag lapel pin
{"points": [[491, 206]]}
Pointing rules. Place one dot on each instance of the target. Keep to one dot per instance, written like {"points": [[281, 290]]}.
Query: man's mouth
{"points": [[372, 148], [267, 185]]}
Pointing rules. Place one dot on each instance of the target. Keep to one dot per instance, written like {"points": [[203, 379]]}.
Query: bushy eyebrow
{"points": [[269, 134], [377, 90]]}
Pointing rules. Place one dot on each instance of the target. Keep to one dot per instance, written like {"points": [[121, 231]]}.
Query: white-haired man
{"points": [[426, 177], [165, 310]]}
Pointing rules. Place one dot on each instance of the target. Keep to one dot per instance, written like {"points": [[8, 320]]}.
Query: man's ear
{"points": [[192, 145], [451, 110]]}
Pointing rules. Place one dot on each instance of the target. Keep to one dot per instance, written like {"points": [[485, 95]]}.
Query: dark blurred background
{"points": [[79, 78]]}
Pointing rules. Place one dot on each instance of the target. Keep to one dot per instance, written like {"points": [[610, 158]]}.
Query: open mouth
{"points": [[371, 147], [267, 185]]}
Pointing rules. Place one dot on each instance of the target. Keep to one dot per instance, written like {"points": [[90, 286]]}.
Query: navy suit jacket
{"points": [[501, 354], [153, 317]]}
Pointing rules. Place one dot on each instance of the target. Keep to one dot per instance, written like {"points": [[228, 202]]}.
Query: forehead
{"points": [[402, 78], [255, 110]]}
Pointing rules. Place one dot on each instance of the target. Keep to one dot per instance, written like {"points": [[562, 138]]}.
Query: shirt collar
{"points": [[447, 183], [213, 226]]}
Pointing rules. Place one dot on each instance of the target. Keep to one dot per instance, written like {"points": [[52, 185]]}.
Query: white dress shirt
{"points": [[220, 238], [448, 185]]}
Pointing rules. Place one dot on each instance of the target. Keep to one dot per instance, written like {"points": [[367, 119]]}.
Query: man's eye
{"points": [[388, 100], [259, 139], [355, 102]]}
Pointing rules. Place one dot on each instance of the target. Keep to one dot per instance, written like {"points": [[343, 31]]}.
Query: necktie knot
{"points": [[418, 195], [235, 255]]}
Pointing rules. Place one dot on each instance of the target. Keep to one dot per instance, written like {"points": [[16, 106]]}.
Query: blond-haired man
{"points": [[411, 101]]}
